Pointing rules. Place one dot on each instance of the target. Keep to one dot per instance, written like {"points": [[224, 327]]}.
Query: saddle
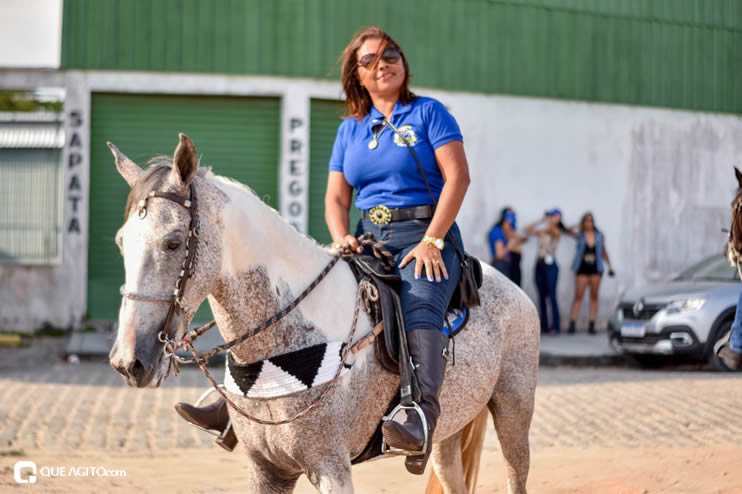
{"points": [[391, 349], [389, 310]]}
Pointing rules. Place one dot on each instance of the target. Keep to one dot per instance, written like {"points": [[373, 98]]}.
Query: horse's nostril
{"points": [[136, 369]]}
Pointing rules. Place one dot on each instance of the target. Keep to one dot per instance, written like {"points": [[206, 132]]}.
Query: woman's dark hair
{"points": [[502, 215], [584, 217], [357, 100]]}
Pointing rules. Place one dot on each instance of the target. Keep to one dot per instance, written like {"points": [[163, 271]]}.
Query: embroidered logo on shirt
{"points": [[408, 133]]}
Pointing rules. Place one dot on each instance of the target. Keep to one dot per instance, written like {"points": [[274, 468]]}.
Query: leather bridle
{"points": [[171, 344], [735, 257], [177, 306]]}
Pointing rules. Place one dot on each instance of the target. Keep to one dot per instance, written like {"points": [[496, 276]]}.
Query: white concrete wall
{"points": [[32, 297], [31, 33], [659, 181]]}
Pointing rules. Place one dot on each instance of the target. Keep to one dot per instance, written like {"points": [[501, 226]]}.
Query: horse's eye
{"points": [[173, 244]]}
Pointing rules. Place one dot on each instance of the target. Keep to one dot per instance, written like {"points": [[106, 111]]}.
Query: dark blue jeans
{"points": [[546, 284], [502, 265], [735, 340], [424, 303]]}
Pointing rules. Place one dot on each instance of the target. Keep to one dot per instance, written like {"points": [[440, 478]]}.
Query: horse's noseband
{"points": [[186, 271]]}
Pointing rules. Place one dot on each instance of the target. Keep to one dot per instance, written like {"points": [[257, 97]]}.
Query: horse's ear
{"points": [[738, 174], [185, 163], [127, 168]]}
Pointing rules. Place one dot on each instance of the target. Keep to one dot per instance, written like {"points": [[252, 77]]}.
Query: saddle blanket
{"points": [[456, 319], [300, 370], [285, 374]]}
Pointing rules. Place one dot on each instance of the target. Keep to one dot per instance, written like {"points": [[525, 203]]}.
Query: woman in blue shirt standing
{"points": [[589, 263], [498, 242], [398, 210], [505, 245]]}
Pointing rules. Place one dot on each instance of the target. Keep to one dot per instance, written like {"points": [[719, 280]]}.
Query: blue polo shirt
{"points": [[497, 234], [388, 174]]}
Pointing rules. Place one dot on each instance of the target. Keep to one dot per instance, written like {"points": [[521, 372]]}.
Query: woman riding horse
{"points": [[398, 211], [370, 156]]}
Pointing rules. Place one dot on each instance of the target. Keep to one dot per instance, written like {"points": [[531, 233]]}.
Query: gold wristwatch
{"points": [[438, 243]]}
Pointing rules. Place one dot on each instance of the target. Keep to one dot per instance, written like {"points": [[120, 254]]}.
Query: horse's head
{"points": [[734, 248], [156, 241]]}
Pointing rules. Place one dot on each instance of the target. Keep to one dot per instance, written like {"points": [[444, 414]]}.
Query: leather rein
{"points": [[171, 343]]}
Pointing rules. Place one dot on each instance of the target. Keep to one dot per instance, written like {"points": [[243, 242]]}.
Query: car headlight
{"points": [[619, 316], [687, 305]]}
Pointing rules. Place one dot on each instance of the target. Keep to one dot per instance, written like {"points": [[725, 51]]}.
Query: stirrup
{"points": [[200, 400], [390, 451]]}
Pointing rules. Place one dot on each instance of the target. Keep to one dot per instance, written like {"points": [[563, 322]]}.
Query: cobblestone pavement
{"points": [[64, 407]]}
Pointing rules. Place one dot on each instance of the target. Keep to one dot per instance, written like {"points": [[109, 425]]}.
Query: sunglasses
{"points": [[390, 56]]}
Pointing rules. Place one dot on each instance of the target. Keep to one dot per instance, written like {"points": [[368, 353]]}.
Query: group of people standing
{"points": [[590, 261]]}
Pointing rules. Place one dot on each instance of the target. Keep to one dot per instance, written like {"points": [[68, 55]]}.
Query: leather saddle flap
{"points": [[387, 283]]}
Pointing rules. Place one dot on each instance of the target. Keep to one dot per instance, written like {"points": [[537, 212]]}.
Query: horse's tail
{"points": [[472, 440]]}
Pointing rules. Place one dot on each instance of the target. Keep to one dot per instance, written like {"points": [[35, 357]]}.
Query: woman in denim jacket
{"points": [[589, 263]]}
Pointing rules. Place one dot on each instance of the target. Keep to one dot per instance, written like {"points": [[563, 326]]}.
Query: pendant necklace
{"points": [[373, 143]]}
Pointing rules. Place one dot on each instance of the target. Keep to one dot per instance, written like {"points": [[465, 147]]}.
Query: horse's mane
{"points": [[222, 181], [157, 172]]}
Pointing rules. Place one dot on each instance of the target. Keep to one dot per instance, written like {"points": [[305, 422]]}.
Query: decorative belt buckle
{"points": [[380, 215]]}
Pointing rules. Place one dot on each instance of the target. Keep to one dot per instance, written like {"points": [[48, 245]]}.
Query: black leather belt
{"points": [[382, 215]]}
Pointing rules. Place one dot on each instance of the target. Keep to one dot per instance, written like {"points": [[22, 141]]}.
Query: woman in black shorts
{"points": [[589, 263]]}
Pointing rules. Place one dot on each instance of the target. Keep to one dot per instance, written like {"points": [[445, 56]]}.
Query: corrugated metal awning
{"points": [[31, 131]]}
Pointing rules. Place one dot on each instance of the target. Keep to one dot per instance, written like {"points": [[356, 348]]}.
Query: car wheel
{"points": [[716, 363]]}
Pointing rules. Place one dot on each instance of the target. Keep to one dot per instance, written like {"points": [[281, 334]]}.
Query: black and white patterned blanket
{"points": [[285, 374]]}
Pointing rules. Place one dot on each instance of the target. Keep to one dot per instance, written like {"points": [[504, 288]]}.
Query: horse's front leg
{"points": [[264, 477], [331, 475]]}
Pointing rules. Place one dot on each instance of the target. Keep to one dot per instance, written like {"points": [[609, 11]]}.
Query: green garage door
{"points": [[237, 137], [325, 120]]}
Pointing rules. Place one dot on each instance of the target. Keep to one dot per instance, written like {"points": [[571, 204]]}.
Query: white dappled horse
{"points": [[250, 263]]}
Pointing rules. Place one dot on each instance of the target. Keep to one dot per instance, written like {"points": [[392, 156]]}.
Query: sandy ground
{"points": [[595, 431], [558, 470]]}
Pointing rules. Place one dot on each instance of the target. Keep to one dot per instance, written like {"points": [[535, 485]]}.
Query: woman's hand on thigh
{"points": [[426, 256]]}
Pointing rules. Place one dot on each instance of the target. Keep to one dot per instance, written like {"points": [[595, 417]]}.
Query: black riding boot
{"points": [[214, 417], [427, 349]]}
